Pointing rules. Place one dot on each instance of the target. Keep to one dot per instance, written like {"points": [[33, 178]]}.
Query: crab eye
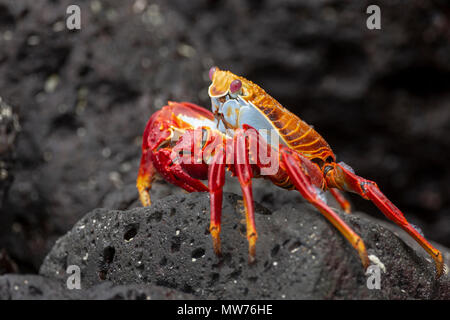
{"points": [[211, 72], [235, 86]]}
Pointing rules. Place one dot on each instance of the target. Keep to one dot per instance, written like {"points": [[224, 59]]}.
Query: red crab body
{"points": [[185, 144]]}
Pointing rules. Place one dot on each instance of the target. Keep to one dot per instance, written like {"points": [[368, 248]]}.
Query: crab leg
{"points": [[145, 178], [243, 171], [216, 180], [308, 191], [343, 178], [343, 202]]}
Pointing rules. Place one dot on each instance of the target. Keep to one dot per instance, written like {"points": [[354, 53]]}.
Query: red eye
{"points": [[211, 72], [235, 86]]}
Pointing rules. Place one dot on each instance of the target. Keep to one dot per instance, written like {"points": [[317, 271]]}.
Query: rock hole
{"points": [[198, 253], [130, 233], [108, 254], [176, 244], [107, 259], [275, 250], [295, 246], [65, 260]]}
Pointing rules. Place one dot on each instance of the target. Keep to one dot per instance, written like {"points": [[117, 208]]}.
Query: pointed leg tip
{"points": [[251, 255], [441, 267], [439, 273], [365, 262], [363, 254], [215, 231], [252, 248], [217, 248], [218, 253], [145, 199]]}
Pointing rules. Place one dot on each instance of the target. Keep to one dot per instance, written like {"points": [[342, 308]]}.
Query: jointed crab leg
{"points": [[145, 178], [345, 179], [244, 174], [216, 180], [308, 191]]}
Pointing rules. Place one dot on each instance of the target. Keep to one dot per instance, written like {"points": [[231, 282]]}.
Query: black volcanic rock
{"points": [[9, 129], [34, 287], [299, 254]]}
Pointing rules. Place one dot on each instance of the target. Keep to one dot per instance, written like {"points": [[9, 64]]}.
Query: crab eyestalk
{"points": [[211, 73], [235, 88]]}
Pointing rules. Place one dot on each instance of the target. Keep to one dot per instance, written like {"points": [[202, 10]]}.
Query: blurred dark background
{"points": [[75, 103]]}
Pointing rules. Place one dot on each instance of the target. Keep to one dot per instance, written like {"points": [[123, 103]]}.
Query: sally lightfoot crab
{"points": [[250, 134]]}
